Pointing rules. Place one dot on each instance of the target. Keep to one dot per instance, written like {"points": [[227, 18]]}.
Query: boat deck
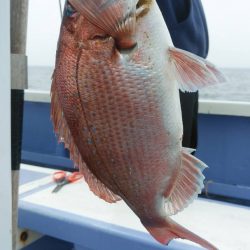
{"points": [[77, 216]]}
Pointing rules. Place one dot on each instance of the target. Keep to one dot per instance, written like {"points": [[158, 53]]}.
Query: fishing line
{"points": [[60, 7]]}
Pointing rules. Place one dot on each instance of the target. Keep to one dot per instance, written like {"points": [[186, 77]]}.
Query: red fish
{"points": [[115, 105]]}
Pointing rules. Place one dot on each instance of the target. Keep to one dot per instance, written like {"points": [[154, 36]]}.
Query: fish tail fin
{"points": [[186, 188], [172, 230], [116, 18], [191, 71], [188, 185]]}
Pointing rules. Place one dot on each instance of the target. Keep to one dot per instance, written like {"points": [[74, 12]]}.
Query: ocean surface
{"points": [[237, 88]]}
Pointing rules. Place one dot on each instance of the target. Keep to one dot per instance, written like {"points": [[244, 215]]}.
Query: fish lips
{"points": [[126, 44]]}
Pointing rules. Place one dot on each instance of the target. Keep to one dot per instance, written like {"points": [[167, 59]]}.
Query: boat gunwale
{"points": [[206, 106]]}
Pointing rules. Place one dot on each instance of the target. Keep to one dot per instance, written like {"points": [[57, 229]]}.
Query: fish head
{"points": [[108, 27], [115, 18]]}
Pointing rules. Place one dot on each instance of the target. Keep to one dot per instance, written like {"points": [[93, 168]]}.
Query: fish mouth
{"points": [[126, 44], [125, 37]]}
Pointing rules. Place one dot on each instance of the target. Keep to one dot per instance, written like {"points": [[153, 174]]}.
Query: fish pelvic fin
{"points": [[64, 135], [116, 18], [170, 230], [188, 185], [191, 71]]}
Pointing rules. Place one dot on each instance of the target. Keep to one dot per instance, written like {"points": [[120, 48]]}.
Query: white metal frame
{"points": [[5, 134]]}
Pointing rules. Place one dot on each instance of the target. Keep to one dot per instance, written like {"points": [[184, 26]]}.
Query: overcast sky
{"points": [[228, 22]]}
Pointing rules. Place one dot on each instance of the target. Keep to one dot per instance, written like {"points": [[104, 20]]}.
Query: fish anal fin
{"points": [[169, 230], [191, 71], [64, 135], [188, 185], [96, 186]]}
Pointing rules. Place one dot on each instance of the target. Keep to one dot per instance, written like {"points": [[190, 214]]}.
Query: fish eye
{"points": [[69, 10], [101, 37]]}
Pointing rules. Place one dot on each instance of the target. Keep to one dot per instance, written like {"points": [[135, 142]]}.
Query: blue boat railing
{"points": [[223, 144]]}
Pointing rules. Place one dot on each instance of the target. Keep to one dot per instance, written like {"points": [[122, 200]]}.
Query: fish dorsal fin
{"points": [[115, 17], [191, 71], [64, 135], [188, 185]]}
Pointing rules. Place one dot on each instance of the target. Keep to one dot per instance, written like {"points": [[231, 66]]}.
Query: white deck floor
{"points": [[225, 225]]}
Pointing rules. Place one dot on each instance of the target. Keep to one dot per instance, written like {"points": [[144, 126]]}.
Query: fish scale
{"points": [[116, 115]]}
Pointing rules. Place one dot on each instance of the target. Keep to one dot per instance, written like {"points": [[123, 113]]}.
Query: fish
{"points": [[115, 104]]}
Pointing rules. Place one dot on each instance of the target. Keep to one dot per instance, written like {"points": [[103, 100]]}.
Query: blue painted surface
{"points": [[40, 145], [47, 160], [88, 233], [25, 176], [49, 243], [234, 191], [224, 144], [37, 128], [66, 230]]}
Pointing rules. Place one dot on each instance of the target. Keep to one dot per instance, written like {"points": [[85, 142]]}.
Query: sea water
{"points": [[237, 87]]}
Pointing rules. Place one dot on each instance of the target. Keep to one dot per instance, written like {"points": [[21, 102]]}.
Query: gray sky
{"points": [[228, 21]]}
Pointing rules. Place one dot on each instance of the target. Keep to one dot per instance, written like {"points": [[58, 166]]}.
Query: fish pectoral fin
{"points": [[191, 71], [188, 185], [63, 133], [172, 230], [116, 18]]}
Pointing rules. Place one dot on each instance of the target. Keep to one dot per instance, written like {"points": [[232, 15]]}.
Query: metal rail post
{"points": [[19, 17], [5, 134]]}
